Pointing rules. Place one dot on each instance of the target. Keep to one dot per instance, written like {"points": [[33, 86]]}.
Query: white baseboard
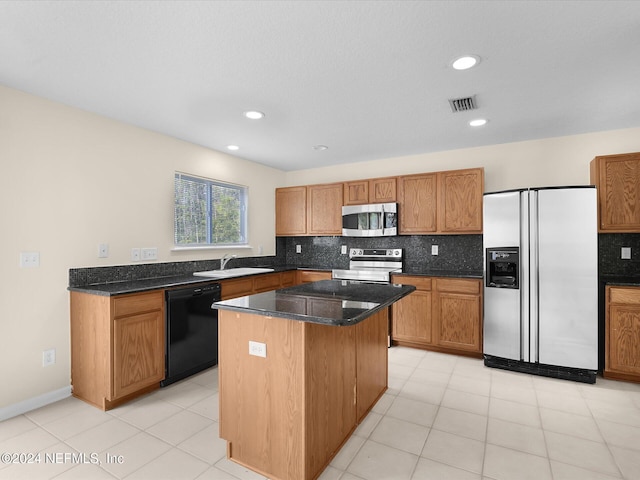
{"points": [[33, 403]]}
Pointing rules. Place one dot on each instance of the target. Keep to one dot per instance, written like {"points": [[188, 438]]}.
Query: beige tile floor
{"points": [[443, 417]]}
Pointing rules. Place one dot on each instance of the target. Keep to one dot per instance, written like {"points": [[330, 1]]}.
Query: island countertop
{"points": [[329, 302]]}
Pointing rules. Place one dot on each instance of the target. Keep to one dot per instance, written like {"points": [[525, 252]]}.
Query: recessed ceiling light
{"points": [[465, 62], [254, 114], [233, 147], [319, 147], [478, 122]]}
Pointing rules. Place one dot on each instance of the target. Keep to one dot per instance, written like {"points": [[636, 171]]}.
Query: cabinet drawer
{"points": [[263, 283], [305, 276], [458, 285], [236, 288], [421, 283], [628, 296], [137, 303], [288, 279]]}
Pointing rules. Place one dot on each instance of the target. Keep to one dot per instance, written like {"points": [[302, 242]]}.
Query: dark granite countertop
{"points": [[173, 281], [418, 271], [621, 280], [329, 302], [187, 279]]}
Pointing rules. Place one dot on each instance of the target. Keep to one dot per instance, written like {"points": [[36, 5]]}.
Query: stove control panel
{"points": [[380, 253]]}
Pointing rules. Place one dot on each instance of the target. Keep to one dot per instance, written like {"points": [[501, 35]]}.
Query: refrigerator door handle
{"points": [[534, 270], [524, 276]]}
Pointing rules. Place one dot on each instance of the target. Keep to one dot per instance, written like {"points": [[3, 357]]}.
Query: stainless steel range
{"points": [[371, 265]]}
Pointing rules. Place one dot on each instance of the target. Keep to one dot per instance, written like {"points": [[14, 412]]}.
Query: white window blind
{"points": [[209, 212]]}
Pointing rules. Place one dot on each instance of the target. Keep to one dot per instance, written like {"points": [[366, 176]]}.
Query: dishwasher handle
{"points": [[212, 289]]}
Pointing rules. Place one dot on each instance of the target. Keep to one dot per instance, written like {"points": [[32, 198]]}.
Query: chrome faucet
{"points": [[225, 260]]}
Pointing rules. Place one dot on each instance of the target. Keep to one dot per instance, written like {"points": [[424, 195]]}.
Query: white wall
{"points": [[71, 180], [536, 163]]}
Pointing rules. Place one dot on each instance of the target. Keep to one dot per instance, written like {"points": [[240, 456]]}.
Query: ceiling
{"points": [[368, 79]]}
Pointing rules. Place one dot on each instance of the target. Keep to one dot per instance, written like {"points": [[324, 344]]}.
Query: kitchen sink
{"points": [[233, 272]]}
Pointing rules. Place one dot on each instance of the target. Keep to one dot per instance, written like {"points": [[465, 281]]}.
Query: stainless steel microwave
{"points": [[373, 220]]}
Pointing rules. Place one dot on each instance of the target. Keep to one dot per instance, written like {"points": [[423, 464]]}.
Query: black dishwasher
{"points": [[192, 331]]}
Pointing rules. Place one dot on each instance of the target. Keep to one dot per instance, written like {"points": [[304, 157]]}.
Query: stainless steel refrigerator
{"points": [[541, 281]]}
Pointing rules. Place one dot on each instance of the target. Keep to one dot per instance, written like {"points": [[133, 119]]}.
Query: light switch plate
{"points": [[343, 249], [29, 259], [625, 253]]}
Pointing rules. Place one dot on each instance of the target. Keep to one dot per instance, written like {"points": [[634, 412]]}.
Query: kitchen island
{"points": [[299, 368]]}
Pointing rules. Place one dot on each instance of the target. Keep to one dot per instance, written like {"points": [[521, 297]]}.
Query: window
{"points": [[208, 212]]}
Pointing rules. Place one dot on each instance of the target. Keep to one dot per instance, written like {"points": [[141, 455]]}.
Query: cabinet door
{"points": [[324, 209], [291, 211], [623, 339], [411, 318], [382, 190], [618, 181], [417, 200], [138, 352], [458, 321], [356, 193], [460, 203]]}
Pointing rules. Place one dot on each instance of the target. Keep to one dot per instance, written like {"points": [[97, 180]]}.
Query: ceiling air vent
{"points": [[463, 104]]}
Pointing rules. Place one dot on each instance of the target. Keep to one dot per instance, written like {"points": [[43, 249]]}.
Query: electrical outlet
{"points": [[48, 357], [149, 253], [258, 349], [625, 253], [260, 250], [434, 249], [29, 259], [298, 248], [135, 254], [103, 250], [343, 250]]}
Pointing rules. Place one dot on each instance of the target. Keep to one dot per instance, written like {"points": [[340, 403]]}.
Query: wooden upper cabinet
{"points": [[441, 202], [356, 193], [291, 211], [417, 199], [376, 190], [618, 180], [383, 190], [460, 205], [324, 209]]}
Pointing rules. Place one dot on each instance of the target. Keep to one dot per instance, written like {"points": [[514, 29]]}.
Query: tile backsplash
{"points": [[455, 252], [609, 258]]}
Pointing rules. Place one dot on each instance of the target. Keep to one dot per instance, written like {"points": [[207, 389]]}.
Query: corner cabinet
{"points": [[622, 333], [117, 346], [442, 314], [447, 202], [618, 180]]}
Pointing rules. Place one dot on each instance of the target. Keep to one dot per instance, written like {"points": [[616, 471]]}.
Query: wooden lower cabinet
{"points": [[239, 287], [117, 346], [288, 414], [306, 276], [443, 314], [622, 333]]}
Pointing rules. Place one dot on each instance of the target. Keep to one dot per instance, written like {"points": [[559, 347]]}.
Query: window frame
{"points": [[210, 205]]}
